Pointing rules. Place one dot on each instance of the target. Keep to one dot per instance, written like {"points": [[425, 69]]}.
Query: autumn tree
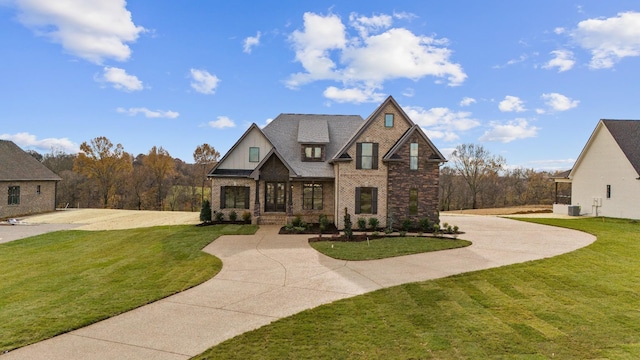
{"points": [[206, 156], [475, 165], [161, 166], [103, 163]]}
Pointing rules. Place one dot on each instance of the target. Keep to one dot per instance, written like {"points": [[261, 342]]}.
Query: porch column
{"points": [[256, 203]]}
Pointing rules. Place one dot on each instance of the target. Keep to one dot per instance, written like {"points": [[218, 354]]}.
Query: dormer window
{"points": [[312, 152], [254, 154]]}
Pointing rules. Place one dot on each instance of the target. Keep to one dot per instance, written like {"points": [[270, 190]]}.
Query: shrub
{"points": [[424, 224], [219, 216], [403, 233], [388, 230], [373, 223], [233, 216], [362, 224], [436, 230], [205, 212], [323, 223], [297, 221], [456, 229], [246, 217], [348, 231], [407, 224]]}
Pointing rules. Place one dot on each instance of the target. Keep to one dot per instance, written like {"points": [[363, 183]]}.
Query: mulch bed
{"points": [[312, 229]]}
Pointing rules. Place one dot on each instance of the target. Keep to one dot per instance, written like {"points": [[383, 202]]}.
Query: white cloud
{"points": [[352, 95], [511, 103], [466, 101], [441, 123], [559, 30], [512, 130], [610, 39], [91, 29], [26, 140], [120, 80], [203, 82], [365, 60], [563, 60], [559, 102], [149, 113], [251, 42], [222, 122], [409, 92]]}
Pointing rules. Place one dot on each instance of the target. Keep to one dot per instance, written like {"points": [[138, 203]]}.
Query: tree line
{"points": [[104, 175]]}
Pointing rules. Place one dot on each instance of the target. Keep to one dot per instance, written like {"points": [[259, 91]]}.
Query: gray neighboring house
{"points": [[30, 187]]}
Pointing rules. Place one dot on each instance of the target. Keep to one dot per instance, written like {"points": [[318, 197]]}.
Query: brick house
{"points": [[307, 165], [29, 185]]}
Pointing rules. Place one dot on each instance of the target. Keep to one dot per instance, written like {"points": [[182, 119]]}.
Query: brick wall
{"points": [[311, 216], [31, 202], [217, 183], [424, 179]]}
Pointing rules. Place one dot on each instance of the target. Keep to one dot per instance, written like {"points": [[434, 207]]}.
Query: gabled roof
{"points": [[339, 156], [391, 154], [256, 172], [626, 133], [18, 165], [283, 132], [217, 171]]}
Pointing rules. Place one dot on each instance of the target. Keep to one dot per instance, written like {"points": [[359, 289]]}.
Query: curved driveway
{"points": [[266, 277]]}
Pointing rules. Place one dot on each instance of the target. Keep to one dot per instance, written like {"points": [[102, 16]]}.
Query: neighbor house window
{"points": [[14, 195], [312, 196], [254, 154], [608, 191], [413, 201], [234, 197], [312, 153], [366, 200], [366, 156], [388, 120], [413, 156]]}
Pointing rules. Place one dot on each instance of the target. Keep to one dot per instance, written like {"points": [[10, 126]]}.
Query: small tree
{"points": [[205, 212], [348, 231], [323, 223]]}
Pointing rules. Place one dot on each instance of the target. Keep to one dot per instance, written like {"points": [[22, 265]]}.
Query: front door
{"points": [[275, 197]]}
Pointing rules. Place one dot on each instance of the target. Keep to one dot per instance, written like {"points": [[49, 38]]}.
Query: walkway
{"points": [[266, 277]]}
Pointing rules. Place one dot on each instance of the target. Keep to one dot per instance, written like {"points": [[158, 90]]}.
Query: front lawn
{"points": [[57, 282], [581, 305], [384, 247]]}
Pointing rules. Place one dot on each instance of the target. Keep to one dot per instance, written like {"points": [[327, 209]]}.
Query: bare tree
{"points": [[206, 156], [475, 164]]}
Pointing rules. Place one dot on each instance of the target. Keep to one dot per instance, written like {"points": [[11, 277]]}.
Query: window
{"points": [[38, 190], [366, 156], [254, 154], [366, 200], [388, 120], [608, 191], [413, 156], [413, 201], [312, 196], [234, 197], [14, 195], [312, 152]]}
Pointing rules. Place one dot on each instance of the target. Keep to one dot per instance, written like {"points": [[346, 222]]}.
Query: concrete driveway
{"points": [[267, 276]]}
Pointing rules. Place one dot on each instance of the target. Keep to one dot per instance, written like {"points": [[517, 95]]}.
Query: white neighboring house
{"points": [[605, 180]]}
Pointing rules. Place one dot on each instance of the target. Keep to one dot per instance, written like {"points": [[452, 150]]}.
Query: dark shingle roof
{"points": [[627, 135], [18, 165], [283, 132]]}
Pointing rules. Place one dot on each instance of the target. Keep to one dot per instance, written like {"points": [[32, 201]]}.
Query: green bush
{"points": [[407, 224], [348, 231], [424, 224], [297, 221], [246, 217], [219, 216], [205, 212], [373, 223], [233, 216], [362, 224], [323, 222]]}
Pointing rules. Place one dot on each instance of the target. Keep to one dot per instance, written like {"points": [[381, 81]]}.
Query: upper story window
{"points": [[312, 152], [608, 191], [14, 195], [388, 120], [366, 155], [38, 190], [413, 156], [254, 154]]}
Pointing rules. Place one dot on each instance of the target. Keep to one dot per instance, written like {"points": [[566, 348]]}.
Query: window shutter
{"points": [[222, 196], [374, 200], [358, 155], [357, 200], [374, 160], [246, 197]]}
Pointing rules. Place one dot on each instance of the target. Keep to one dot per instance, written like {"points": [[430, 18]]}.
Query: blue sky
{"points": [[528, 80]]}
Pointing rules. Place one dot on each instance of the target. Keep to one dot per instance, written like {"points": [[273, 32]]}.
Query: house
{"points": [[605, 179], [29, 185], [307, 165]]}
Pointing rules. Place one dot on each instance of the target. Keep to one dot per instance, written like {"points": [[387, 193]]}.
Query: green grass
{"points": [[581, 305], [57, 282], [384, 247]]}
